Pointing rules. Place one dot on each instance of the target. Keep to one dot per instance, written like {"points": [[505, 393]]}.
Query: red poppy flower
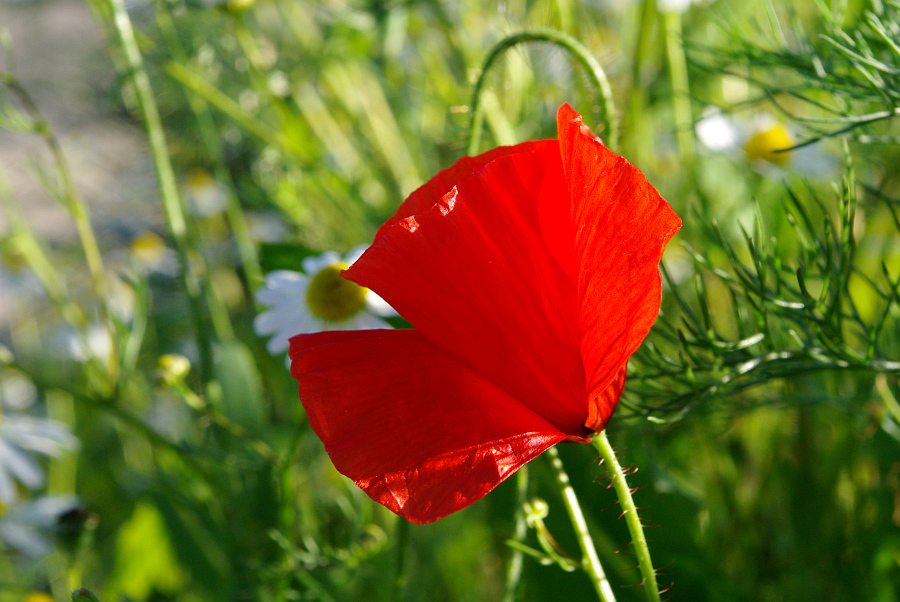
{"points": [[531, 274]]}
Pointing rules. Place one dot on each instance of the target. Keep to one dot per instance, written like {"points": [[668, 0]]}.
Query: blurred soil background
{"points": [[59, 56]]}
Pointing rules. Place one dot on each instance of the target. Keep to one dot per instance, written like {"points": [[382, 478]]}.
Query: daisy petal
{"points": [[21, 466], [379, 306], [354, 254], [312, 265], [474, 275], [420, 433], [624, 226], [8, 494], [282, 285]]}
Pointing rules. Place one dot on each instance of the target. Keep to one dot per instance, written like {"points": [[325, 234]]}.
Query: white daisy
{"points": [[764, 141], [28, 527], [21, 436], [718, 132], [316, 300]]}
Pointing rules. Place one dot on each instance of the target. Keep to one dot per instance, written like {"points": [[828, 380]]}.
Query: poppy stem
{"points": [[629, 511], [590, 562], [578, 51]]}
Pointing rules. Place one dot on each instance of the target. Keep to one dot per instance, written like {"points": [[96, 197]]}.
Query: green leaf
{"points": [[241, 398], [145, 560]]}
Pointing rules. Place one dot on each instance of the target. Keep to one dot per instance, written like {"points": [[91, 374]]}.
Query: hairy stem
{"points": [[629, 511]]}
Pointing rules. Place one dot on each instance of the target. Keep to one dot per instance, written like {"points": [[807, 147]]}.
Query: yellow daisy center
{"points": [[331, 297], [766, 144], [148, 248]]}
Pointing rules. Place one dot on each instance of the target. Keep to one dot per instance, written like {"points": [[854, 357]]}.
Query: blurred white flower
{"points": [[266, 226], [28, 526], [674, 6], [717, 132], [95, 343], [764, 141], [21, 437], [17, 393], [206, 194], [315, 300], [150, 252], [768, 140]]}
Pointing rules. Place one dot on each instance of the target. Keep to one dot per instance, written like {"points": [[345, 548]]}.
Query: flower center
{"points": [[331, 297], [766, 144]]}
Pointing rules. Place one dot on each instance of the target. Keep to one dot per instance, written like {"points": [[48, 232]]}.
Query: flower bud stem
{"points": [[629, 511], [590, 562], [578, 52]]}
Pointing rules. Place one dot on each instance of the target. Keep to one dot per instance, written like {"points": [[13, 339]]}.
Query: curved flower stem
{"points": [[577, 50], [591, 562], [629, 511]]}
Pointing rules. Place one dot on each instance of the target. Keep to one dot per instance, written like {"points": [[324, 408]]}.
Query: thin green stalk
{"points": [[76, 206], [681, 97], [68, 193], [224, 103], [590, 561], [629, 511], [887, 397], [245, 247], [645, 42], [398, 575], [610, 128], [22, 240], [514, 569], [173, 205]]}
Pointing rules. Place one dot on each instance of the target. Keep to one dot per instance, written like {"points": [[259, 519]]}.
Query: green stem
{"points": [[590, 562], [173, 205], [681, 99], [401, 542], [514, 570], [577, 50], [637, 138], [206, 126], [80, 212], [629, 511]]}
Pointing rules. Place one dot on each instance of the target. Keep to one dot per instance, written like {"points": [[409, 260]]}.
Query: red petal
{"points": [[623, 226], [420, 433], [475, 276], [424, 197]]}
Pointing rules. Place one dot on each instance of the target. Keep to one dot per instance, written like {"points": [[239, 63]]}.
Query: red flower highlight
{"points": [[531, 274]]}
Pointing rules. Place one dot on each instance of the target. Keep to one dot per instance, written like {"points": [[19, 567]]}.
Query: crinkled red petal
{"points": [[475, 276], [417, 431], [622, 227], [434, 189]]}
